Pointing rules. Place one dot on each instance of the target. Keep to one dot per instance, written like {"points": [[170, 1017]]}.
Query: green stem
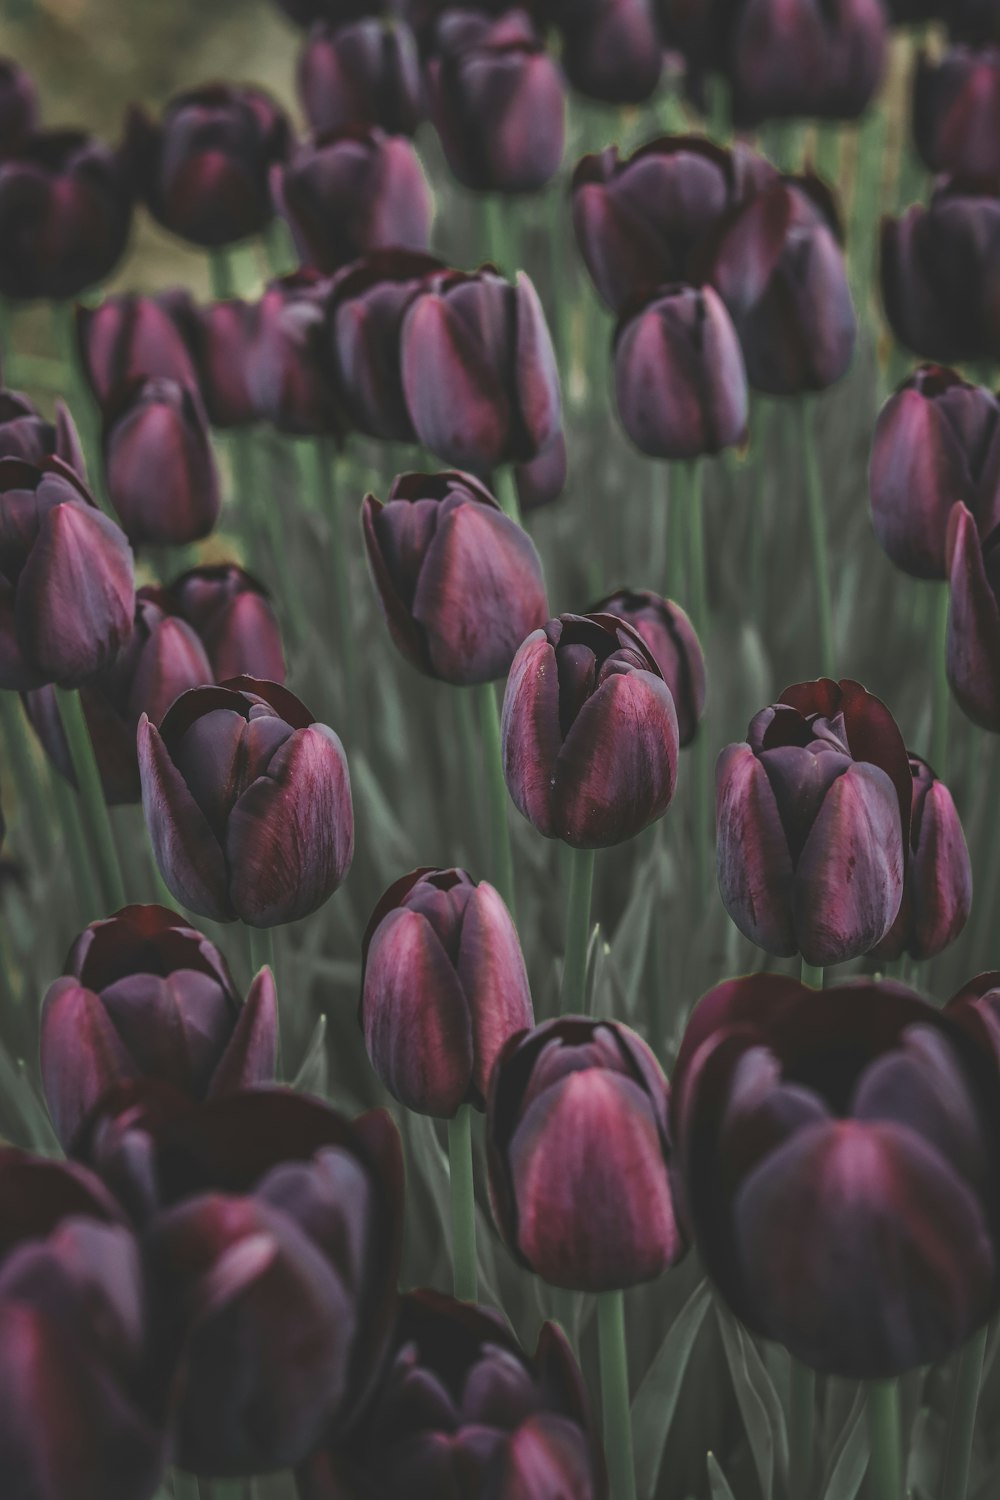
{"points": [[221, 274], [463, 1205], [615, 1395], [817, 535], [581, 885], [25, 774], [68, 809], [885, 1463], [328, 495], [702, 806], [939, 741], [676, 538], [962, 1418], [718, 122], [506, 492], [501, 855], [801, 1424], [80, 396], [95, 809], [261, 948], [471, 772], [495, 227], [811, 975]]}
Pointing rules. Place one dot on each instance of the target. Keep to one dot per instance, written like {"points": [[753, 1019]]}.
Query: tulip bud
{"points": [[937, 440], [611, 49], [813, 817], [497, 101], [576, 1131], [361, 75], [479, 372], [19, 112], [673, 645], [347, 195], [287, 375], [866, 1118], [223, 337], [204, 167], [65, 212], [161, 473], [26, 435], [460, 584], [589, 732], [956, 111], [127, 336], [234, 618], [248, 803], [973, 644]]}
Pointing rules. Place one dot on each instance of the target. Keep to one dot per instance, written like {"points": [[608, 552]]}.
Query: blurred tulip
{"points": [[937, 890], [248, 803], [287, 372], [973, 649], [203, 168], [976, 1008], [937, 440], [497, 100], [813, 820], [158, 460], [673, 645], [811, 58], [460, 584], [578, 1146], [25, 434], [19, 112], [543, 479], [611, 49], [867, 1119], [223, 335], [65, 213], [234, 618], [127, 336], [497, 1423], [956, 111], [360, 75]]}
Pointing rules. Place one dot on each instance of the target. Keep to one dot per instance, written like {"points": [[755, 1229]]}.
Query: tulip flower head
{"points": [[287, 375], [611, 49], [674, 646], [161, 473], [26, 435], [973, 642], [361, 75], [234, 618], [956, 111], [222, 339], [812, 58], [19, 112], [128, 336]]}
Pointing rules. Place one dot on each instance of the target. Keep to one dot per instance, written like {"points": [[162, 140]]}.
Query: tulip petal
{"points": [[536, 373], [940, 877], [252, 1054], [187, 852], [973, 652], [81, 1055], [492, 974], [755, 867], [530, 732], [456, 403]]}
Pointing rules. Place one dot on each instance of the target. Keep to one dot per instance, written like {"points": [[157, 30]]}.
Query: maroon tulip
{"points": [[497, 101], [868, 1120], [66, 587], [223, 336], [611, 49], [479, 372], [680, 381], [460, 584], [360, 75], [287, 375], [497, 1423], [347, 195], [807, 58], [145, 996], [956, 111], [25, 434], [234, 618], [203, 169], [579, 1149], [161, 473], [248, 803], [589, 732], [19, 111], [127, 336], [443, 987], [673, 645], [65, 212], [973, 650], [813, 818]]}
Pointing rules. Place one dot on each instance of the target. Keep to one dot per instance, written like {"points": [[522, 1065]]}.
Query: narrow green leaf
{"points": [[655, 1401], [849, 1458], [763, 1418], [313, 1073], [718, 1480]]}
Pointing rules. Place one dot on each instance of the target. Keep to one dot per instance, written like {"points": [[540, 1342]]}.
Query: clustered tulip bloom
{"points": [[868, 1120], [19, 113], [674, 646], [234, 618], [25, 434], [359, 75], [128, 336], [161, 473], [973, 643], [223, 340], [286, 372], [611, 49], [956, 111]]}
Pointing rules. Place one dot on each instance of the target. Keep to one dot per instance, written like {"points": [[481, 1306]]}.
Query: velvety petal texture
{"points": [[128, 336], [161, 473], [956, 111], [973, 644], [360, 75], [937, 895], [674, 646]]}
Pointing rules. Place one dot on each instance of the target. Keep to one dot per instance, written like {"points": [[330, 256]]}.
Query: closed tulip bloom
{"points": [[937, 892], [578, 1155], [973, 649], [287, 372], [809, 58], [589, 732], [611, 49], [479, 372], [674, 646], [248, 803], [868, 1120], [359, 75], [19, 112], [460, 584], [158, 460], [65, 213], [234, 619], [222, 337], [956, 111], [813, 818], [25, 434], [461, 1410], [497, 100], [127, 336]]}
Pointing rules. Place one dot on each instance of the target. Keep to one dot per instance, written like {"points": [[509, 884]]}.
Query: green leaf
{"points": [[718, 1480], [763, 1417], [655, 1401], [849, 1458], [313, 1074]]}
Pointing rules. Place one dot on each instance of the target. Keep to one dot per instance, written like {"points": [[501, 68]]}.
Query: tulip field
{"points": [[499, 697]]}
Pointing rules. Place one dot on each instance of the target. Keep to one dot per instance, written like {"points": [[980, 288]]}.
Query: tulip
{"points": [[673, 645], [161, 474], [360, 75], [204, 167], [248, 803], [976, 1008], [937, 440], [496, 99], [287, 375], [500, 1424], [543, 479], [866, 1118], [65, 212], [19, 112], [973, 639], [26, 435], [956, 111], [813, 818], [145, 996], [222, 337], [459, 583], [128, 336], [234, 619], [66, 588], [347, 195], [611, 49]]}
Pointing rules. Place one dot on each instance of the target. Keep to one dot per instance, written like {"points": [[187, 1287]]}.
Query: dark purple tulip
{"points": [[497, 100], [976, 1008], [248, 803], [360, 75], [973, 652], [867, 1120], [461, 1411], [680, 381], [673, 645], [65, 212], [347, 195], [479, 372], [956, 111], [234, 618], [611, 49], [589, 732], [67, 591], [287, 372], [543, 479], [127, 336], [579, 1149], [19, 112], [813, 816], [146, 996], [204, 167], [25, 434], [443, 987], [158, 461], [223, 337], [459, 582]]}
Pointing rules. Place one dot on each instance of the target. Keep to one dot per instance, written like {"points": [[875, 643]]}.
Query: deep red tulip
{"points": [[204, 167], [868, 1120], [287, 373], [234, 618], [360, 75], [813, 815], [223, 336], [460, 583], [67, 591], [673, 645], [25, 434], [812, 58], [973, 651], [19, 111], [158, 460], [543, 479], [611, 49], [578, 1154], [956, 111], [497, 100], [248, 803], [65, 212], [589, 732], [126, 336]]}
